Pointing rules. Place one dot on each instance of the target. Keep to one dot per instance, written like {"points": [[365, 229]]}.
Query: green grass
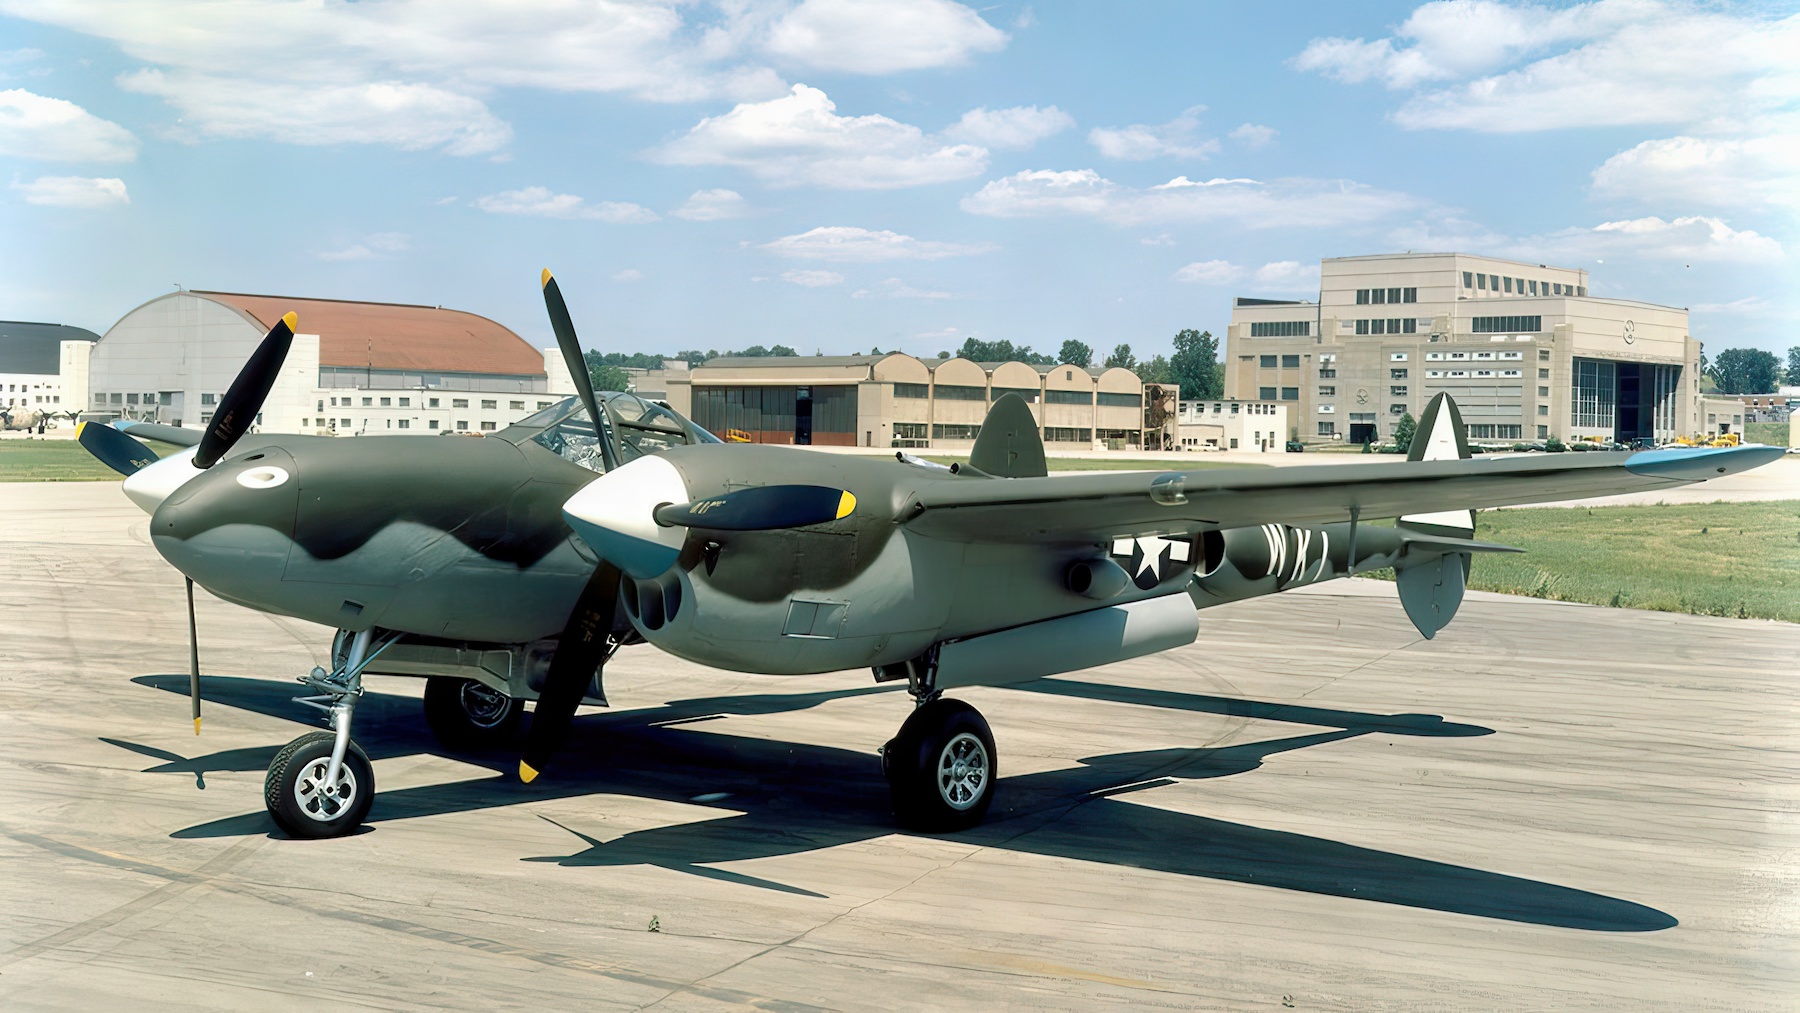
{"points": [[1711, 559], [57, 461], [1773, 433], [1118, 464]]}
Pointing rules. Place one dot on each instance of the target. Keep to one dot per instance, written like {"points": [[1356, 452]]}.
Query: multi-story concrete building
{"points": [[896, 400], [354, 368], [1257, 426], [1523, 348], [43, 367]]}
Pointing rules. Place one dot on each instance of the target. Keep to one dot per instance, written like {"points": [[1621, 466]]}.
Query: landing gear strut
{"points": [[941, 766], [321, 784]]}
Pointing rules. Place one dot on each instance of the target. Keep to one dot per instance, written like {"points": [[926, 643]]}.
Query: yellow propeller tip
{"points": [[526, 774], [196, 726], [544, 279], [846, 505], [291, 319], [78, 427]]}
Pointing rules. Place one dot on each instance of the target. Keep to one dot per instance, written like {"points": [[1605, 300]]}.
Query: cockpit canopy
{"points": [[634, 427]]}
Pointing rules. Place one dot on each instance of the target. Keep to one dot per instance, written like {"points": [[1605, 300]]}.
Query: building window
{"points": [[387, 402], [1397, 356], [1543, 432], [1592, 394], [1396, 374], [1409, 295], [954, 432], [1290, 393], [367, 401], [1065, 434], [1378, 327], [490, 404], [1080, 397], [406, 402], [949, 392], [1328, 429], [918, 391], [911, 434], [1266, 393], [1327, 374], [1481, 282], [1266, 362], [344, 423], [1121, 400], [1362, 297], [1533, 285], [405, 423], [1328, 390], [1393, 295], [1543, 409], [488, 427], [1327, 409], [460, 402], [1362, 327], [1030, 394], [1543, 391], [1492, 325], [463, 424], [1396, 409], [1543, 355], [433, 424], [1397, 390], [433, 403], [1378, 296], [1234, 445], [1508, 283], [1281, 329], [517, 406], [1468, 279], [541, 405], [1290, 362]]}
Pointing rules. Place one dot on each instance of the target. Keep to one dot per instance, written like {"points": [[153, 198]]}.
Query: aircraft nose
{"points": [[230, 527]]}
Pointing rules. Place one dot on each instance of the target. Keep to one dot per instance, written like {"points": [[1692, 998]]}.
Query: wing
{"points": [[1096, 507]]}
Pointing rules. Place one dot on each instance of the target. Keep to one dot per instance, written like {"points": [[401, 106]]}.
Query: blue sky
{"points": [[836, 175]]}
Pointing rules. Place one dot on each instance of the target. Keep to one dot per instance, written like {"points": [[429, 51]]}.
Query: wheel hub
{"points": [[319, 800], [484, 707], [962, 771]]}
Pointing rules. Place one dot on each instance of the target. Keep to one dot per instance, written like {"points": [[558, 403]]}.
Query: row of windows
{"points": [[462, 425], [1594, 384], [1219, 406], [1489, 325], [37, 399], [1287, 361], [492, 404], [1378, 296], [1436, 356], [1392, 325], [1287, 394], [1483, 431], [1433, 374], [1281, 329], [1064, 434], [1519, 286]]}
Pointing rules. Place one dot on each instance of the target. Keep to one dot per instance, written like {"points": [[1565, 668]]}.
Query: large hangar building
{"points": [[1527, 352], [896, 400], [354, 368], [43, 367]]}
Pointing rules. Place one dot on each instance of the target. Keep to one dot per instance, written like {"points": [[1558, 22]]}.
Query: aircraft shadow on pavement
{"points": [[776, 798]]}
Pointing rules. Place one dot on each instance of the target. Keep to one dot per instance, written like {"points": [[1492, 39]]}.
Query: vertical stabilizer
{"points": [[1441, 436], [1008, 445], [1431, 583]]}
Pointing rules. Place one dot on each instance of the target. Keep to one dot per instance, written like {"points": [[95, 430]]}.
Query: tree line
{"points": [[1194, 366], [1751, 370]]}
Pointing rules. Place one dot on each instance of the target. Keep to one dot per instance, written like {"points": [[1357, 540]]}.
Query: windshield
{"points": [[634, 426]]}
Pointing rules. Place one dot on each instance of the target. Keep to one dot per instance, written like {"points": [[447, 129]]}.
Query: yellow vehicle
{"points": [[736, 436]]}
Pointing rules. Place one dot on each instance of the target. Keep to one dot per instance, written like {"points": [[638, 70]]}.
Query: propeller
{"points": [[237, 410], [114, 449], [628, 516], [760, 508]]}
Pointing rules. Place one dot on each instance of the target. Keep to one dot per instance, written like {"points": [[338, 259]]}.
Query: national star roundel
{"points": [[1153, 559]]}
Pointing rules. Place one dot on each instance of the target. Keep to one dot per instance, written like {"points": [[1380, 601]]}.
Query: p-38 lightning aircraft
{"points": [[511, 567]]}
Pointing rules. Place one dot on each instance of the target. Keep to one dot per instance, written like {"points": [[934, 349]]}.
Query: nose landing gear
{"points": [[321, 784]]}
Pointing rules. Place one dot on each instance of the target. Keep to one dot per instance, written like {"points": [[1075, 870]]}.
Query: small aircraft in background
{"points": [[511, 567]]}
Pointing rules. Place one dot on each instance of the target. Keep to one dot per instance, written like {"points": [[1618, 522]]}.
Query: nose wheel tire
{"points": [[941, 767], [464, 714], [300, 801]]}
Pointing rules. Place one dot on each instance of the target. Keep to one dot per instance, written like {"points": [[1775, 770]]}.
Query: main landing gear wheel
{"points": [[940, 768], [302, 803], [464, 714]]}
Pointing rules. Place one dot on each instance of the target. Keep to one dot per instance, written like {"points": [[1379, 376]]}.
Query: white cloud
{"points": [[371, 247], [799, 139], [1752, 172], [1286, 276], [845, 244], [628, 276], [419, 74], [539, 202], [1141, 142], [1018, 127], [1691, 238], [881, 37], [812, 278], [74, 192], [712, 206], [1745, 306], [1606, 63], [52, 129], [1247, 202], [1209, 272], [895, 288], [1160, 239], [1254, 135]]}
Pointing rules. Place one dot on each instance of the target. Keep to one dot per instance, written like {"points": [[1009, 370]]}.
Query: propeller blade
{"points": [[761, 508], [175, 435], [571, 350], [193, 657], [237, 410], [581, 651], [114, 449]]}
